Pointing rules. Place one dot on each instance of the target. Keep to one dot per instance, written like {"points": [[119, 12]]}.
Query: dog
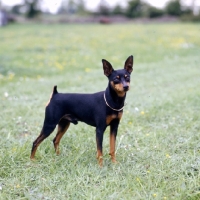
{"points": [[100, 110]]}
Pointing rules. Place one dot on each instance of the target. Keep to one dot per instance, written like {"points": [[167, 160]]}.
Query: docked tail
{"points": [[54, 90], [52, 94]]}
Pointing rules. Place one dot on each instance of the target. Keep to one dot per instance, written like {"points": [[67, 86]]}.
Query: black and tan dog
{"points": [[100, 110]]}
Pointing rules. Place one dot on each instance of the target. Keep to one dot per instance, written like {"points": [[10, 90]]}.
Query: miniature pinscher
{"points": [[100, 110]]}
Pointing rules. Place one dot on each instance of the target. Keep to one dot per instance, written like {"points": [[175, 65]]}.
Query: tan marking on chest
{"points": [[109, 118]]}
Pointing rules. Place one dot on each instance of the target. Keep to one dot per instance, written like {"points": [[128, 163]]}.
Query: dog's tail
{"points": [[52, 94], [54, 90]]}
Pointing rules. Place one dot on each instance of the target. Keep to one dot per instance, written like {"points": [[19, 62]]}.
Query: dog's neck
{"points": [[113, 99]]}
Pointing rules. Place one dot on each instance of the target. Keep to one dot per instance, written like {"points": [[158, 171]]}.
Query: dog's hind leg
{"points": [[45, 132], [62, 128], [63, 125]]}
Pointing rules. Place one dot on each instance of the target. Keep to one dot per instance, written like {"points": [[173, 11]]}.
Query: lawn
{"points": [[158, 143]]}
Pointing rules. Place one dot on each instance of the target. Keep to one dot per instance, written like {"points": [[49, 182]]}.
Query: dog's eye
{"points": [[116, 80], [127, 78]]}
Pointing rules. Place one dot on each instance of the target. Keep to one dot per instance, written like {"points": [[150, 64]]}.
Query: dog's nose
{"points": [[125, 87]]}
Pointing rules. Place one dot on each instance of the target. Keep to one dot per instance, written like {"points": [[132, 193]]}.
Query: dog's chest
{"points": [[112, 117]]}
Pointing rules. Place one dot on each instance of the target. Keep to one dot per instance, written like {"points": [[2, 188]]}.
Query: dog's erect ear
{"points": [[128, 66], [107, 67]]}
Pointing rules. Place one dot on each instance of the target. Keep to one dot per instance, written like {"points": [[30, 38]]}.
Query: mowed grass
{"points": [[158, 143]]}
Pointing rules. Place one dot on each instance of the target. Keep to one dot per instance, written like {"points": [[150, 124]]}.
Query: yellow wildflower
{"points": [[137, 179], [14, 149], [168, 156], [59, 66], [142, 112], [87, 69], [11, 76]]}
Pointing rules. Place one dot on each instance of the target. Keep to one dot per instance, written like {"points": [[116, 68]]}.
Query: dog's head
{"points": [[119, 80]]}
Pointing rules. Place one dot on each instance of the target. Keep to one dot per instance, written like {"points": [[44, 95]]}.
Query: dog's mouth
{"points": [[120, 89]]}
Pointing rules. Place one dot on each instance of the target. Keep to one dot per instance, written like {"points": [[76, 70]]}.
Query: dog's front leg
{"points": [[99, 140], [113, 134]]}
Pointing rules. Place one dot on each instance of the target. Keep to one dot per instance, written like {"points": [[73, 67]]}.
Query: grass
{"points": [[158, 147]]}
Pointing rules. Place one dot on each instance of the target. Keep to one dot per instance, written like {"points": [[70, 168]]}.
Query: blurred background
{"points": [[101, 11], [61, 42]]}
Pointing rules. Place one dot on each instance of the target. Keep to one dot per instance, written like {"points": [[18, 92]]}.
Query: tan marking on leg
{"points": [[59, 135], [99, 154], [112, 147], [36, 143], [100, 157]]}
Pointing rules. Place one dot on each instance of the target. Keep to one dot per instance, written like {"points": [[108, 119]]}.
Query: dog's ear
{"points": [[107, 67], [128, 66]]}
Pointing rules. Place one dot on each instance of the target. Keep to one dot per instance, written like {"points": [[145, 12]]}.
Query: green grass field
{"points": [[158, 144]]}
